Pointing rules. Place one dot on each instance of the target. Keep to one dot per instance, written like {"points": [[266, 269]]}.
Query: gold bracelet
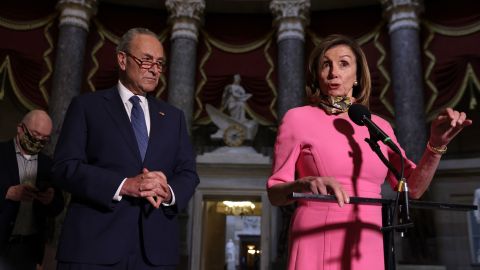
{"points": [[437, 150]]}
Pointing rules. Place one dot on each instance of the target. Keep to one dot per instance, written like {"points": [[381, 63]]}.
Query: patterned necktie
{"points": [[139, 125]]}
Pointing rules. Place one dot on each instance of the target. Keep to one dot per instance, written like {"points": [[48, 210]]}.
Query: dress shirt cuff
{"points": [[117, 197], [172, 202]]}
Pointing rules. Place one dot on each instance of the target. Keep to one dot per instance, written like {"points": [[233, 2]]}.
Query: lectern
{"points": [[389, 226]]}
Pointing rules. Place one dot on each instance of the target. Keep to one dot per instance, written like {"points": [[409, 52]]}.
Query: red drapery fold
{"points": [[224, 51]]}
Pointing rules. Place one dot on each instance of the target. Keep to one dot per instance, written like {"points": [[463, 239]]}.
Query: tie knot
{"points": [[135, 100]]}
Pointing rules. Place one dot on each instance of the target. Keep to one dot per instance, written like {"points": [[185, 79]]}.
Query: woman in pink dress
{"points": [[321, 151]]}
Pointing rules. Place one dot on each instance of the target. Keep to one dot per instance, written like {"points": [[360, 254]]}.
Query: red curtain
{"points": [[242, 44]]}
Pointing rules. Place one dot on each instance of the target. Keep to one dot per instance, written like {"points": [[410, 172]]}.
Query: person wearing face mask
{"points": [[320, 150], [27, 196]]}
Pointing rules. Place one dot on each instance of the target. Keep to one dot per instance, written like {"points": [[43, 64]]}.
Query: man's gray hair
{"points": [[126, 39]]}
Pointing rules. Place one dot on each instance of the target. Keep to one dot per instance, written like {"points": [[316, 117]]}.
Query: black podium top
{"points": [[378, 201]]}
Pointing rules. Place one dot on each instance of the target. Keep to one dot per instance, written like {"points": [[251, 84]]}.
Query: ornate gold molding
{"points": [[46, 23], [237, 48], [469, 77], [7, 67], [383, 71], [27, 25], [453, 31], [202, 82], [433, 29], [94, 69], [48, 63], [269, 79]]}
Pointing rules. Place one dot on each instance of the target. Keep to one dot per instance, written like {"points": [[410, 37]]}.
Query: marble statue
{"points": [[235, 127]]}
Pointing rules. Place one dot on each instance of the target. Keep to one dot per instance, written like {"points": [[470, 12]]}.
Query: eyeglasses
{"points": [[148, 64]]}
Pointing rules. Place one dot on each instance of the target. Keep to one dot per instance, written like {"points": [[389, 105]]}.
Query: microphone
{"points": [[362, 117]]}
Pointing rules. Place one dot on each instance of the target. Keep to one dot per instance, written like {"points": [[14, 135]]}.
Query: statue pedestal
{"points": [[234, 155]]}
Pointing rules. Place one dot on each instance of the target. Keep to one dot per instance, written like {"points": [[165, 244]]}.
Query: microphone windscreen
{"points": [[356, 113]]}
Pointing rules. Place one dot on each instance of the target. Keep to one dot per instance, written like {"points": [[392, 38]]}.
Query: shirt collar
{"points": [[126, 94]]}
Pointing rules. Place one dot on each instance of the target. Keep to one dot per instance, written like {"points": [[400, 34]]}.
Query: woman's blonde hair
{"points": [[361, 92]]}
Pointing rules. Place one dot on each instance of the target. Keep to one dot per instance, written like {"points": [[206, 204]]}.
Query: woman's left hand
{"points": [[446, 126]]}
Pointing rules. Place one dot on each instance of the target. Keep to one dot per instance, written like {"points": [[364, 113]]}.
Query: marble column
{"points": [[291, 16], [68, 70], [185, 17], [407, 74]]}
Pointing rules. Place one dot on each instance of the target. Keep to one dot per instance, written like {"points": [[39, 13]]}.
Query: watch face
{"points": [[234, 135]]}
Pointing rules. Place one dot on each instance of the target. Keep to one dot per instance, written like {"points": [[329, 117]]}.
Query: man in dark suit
{"points": [[127, 160], [27, 196]]}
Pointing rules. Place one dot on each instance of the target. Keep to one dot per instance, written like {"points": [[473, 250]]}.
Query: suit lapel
{"points": [[11, 163], [114, 105], [157, 125]]}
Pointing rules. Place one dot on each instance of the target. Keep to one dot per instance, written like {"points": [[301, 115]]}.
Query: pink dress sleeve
{"points": [[286, 151]]}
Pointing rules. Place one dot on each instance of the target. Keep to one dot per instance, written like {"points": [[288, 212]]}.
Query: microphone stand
{"points": [[401, 207]]}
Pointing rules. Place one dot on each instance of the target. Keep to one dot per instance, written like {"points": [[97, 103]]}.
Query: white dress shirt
{"points": [[125, 95], [27, 172]]}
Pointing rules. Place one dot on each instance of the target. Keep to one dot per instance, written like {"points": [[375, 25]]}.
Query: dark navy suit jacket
{"points": [[9, 176], [96, 150]]}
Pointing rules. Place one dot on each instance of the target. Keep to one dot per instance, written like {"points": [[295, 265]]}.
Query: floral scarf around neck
{"points": [[336, 105]]}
